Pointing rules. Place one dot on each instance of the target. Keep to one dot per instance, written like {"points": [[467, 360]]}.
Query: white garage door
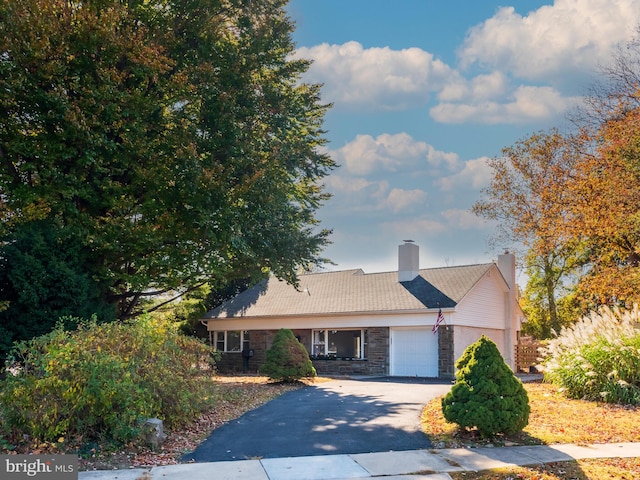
{"points": [[414, 352]]}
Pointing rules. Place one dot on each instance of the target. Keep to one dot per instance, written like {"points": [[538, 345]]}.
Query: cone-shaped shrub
{"points": [[287, 359], [486, 394]]}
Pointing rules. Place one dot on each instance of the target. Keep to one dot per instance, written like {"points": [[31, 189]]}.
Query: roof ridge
{"points": [[354, 271], [460, 266], [360, 271]]}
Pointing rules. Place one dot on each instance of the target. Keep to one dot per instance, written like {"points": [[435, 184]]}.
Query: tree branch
{"points": [[9, 166]]}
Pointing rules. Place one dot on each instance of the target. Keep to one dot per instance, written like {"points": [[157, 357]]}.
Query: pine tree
{"points": [[486, 395], [287, 359]]}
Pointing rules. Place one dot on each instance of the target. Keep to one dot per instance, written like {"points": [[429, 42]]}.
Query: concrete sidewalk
{"points": [[404, 465]]}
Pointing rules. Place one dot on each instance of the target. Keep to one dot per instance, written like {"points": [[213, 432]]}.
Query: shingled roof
{"points": [[353, 291]]}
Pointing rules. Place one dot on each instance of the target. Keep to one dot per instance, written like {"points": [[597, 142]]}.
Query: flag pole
{"points": [[440, 319]]}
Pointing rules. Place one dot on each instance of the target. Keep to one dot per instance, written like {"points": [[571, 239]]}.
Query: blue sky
{"points": [[424, 92]]}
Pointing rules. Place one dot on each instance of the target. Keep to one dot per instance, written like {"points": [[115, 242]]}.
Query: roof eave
{"points": [[346, 314]]}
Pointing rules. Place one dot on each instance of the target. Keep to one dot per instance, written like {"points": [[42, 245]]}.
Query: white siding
{"points": [[465, 336], [484, 305], [483, 311]]}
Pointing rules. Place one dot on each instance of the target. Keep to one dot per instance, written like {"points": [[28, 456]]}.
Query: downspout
{"points": [[206, 324]]}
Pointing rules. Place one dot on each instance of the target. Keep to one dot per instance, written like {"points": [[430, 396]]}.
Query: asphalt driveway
{"points": [[336, 417]]}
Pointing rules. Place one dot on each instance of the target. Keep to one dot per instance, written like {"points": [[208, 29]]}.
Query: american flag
{"points": [[439, 320]]}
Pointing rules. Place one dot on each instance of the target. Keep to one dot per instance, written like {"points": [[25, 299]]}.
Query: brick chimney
{"points": [[408, 261], [507, 266]]}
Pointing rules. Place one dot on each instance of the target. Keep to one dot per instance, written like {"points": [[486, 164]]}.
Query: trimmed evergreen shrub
{"points": [[102, 381], [486, 395], [598, 358], [287, 359]]}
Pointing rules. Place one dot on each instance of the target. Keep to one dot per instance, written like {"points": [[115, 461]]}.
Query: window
{"points": [[338, 343], [318, 343], [231, 340]]}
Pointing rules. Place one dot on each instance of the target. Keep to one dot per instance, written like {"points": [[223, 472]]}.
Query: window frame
{"points": [[320, 343], [222, 337]]}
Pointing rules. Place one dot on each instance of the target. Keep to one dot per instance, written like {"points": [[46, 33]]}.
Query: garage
{"points": [[413, 352]]}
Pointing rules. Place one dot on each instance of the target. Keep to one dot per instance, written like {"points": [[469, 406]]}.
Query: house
{"points": [[354, 323]]}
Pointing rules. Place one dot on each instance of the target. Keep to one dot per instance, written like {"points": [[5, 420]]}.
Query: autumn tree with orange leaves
{"points": [[528, 199], [573, 202], [605, 189]]}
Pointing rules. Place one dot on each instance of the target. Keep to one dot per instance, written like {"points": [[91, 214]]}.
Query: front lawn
{"points": [[554, 419], [234, 395]]}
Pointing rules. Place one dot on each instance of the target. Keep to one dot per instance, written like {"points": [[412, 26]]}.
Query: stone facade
{"points": [[375, 363], [446, 360]]}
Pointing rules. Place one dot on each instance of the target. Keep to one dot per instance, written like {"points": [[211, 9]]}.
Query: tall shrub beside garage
{"points": [[287, 359], [486, 395]]}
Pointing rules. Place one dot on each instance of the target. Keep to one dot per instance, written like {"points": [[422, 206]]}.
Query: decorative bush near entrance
{"points": [[486, 395], [287, 359]]}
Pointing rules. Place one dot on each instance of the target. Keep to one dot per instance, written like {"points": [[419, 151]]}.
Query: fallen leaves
{"points": [[553, 419], [593, 469], [234, 395]]}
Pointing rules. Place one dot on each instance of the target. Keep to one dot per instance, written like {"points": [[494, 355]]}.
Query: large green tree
{"points": [[172, 140], [551, 280], [43, 278]]}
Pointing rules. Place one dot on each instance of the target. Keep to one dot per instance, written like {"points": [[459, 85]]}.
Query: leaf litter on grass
{"points": [[234, 395], [554, 419]]}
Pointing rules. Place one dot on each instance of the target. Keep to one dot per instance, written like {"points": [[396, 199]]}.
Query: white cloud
{"points": [[399, 152], [356, 194], [375, 78], [407, 201], [366, 154], [475, 175], [438, 158], [463, 219], [525, 104], [361, 195], [489, 86], [482, 87], [337, 183], [557, 47], [570, 36]]}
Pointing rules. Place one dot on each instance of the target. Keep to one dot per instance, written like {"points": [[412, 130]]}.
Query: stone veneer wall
{"points": [[376, 361], [376, 350], [446, 360], [231, 362]]}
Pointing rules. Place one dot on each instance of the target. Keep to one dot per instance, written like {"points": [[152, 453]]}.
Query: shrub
{"points": [[287, 359], [101, 381], [486, 394], [598, 358]]}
